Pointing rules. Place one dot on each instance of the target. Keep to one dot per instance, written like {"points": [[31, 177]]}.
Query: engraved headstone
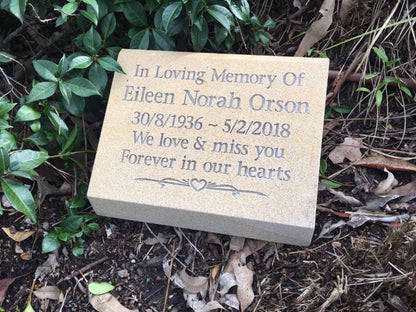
{"points": [[222, 143]]}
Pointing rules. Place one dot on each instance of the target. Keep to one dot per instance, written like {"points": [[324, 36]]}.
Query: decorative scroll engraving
{"points": [[199, 185]]}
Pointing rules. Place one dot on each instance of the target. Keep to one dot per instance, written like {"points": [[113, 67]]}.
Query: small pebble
{"points": [[123, 273], [5, 202]]}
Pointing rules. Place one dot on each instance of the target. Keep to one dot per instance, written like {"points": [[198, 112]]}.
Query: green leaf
{"points": [[108, 25], [71, 139], [379, 98], [57, 122], [35, 125], [199, 37], [241, 10], [50, 243], [4, 124], [5, 106], [98, 76], [7, 140], [90, 16], [372, 75], [171, 12], [62, 66], [110, 64], [381, 54], [18, 8], [163, 41], [69, 8], [363, 89], [323, 166], [407, 91], [92, 41], [46, 69], [19, 197], [222, 15], [82, 61], [77, 251], [65, 91], [71, 224], [24, 174], [82, 87], [100, 288], [392, 62], [27, 159], [4, 160], [29, 308], [93, 4], [41, 91], [270, 23], [135, 13], [6, 57], [141, 40], [342, 109], [27, 113], [75, 106], [331, 184]]}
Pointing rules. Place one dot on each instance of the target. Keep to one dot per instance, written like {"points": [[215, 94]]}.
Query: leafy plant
{"points": [[16, 164], [72, 229], [323, 166], [381, 88]]}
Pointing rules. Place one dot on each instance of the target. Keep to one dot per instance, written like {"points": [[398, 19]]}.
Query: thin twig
{"points": [[168, 285], [85, 268], [166, 248]]}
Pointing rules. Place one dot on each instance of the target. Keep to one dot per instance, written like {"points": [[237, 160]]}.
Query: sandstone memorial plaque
{"points": [[216, 142]]}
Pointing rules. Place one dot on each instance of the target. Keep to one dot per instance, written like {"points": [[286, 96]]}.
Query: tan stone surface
{"points": [[255, 176]]}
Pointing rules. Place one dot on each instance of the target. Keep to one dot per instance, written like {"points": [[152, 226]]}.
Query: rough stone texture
{"points": [[221, 143]]}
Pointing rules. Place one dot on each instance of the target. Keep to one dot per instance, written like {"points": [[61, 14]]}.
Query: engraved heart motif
{"points": [[198, 185]]}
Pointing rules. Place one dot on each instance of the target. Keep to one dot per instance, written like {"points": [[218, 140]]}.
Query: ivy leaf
{"points": [[141, 40], [18, 8], [27, 159], [19, 197], [108, 25], [82, 87], [222, 15], [50, 243], [82, 61], [170, 13], [100, 288], [26, 113], [41, 91], [135, 13], [4, 160], [110, 64], [46, 69]]}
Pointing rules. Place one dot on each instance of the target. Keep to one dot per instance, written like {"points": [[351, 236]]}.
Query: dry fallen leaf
{"points": [[48, 292], [18, 236], [4, 285], [349, 149], [47, 267], [345, 198], [318, 29], [108, 303], [385, 186], [328, 227], [197, 305], [344, 11], [231, 300], [392, 164], [244, 278], [194, 285], [226, 281]]}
